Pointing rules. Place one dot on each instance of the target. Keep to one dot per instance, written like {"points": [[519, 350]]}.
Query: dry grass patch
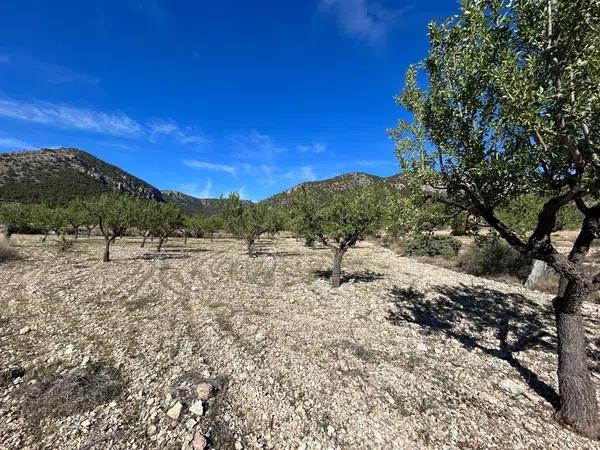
{"points": [[67, 393]]}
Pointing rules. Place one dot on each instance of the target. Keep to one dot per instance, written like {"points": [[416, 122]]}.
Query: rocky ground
{"points": [[201, 346]]}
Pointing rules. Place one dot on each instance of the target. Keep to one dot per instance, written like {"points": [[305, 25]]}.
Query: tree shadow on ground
{"points": [[356, 277], [185, 250], [279, 254], [161, 256], [466, 313]]}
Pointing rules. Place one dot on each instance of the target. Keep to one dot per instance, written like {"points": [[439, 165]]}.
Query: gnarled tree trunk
{"points": [[579, 406]]}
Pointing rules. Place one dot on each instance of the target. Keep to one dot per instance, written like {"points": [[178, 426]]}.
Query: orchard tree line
{"points": [[111, 216]]}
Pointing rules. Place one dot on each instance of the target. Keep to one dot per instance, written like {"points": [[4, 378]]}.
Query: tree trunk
{"points": [[89, 232], [250, 247], [144, 237], [106, 257], [579, 406], [45, 237], [76, 232], [538, 271], [160, 243], [336, 272], [185, 238]]}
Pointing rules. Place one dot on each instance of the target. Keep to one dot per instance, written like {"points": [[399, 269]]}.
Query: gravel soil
{"points": [[403, 355]]}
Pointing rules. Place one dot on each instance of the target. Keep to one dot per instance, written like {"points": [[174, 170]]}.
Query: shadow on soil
{"points": [[464, 313], [354, 277], [161, 256]]}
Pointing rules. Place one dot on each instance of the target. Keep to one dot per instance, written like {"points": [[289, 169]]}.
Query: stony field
{"points": [[262, 353]]}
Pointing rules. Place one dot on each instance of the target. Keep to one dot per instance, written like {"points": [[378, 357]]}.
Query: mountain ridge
{"points": [[59, 175]]}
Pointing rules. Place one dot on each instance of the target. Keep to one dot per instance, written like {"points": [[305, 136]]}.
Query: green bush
{"points": [[428, 245], [492, 256]]}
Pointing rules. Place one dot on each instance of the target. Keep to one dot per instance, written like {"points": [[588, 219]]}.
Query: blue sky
{"points": [[207, 97]]}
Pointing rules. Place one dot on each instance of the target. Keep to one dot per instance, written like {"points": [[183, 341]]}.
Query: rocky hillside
{"points": [[59, 175], [341, 184], [193, 205]]}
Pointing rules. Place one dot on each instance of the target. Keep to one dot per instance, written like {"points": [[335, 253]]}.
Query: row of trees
{"points": [[112, 215]]}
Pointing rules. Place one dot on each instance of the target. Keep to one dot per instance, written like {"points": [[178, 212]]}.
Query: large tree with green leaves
{"points": [[338, 223], [512, 107]]}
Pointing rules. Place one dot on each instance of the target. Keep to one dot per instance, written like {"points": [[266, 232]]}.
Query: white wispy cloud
{"points": [[315, 147], [66, 116], [362, 18], [14, 143], [185, 135], [256, 145], [196, 190], [304, 173], [57, 74], [70, 117], [203, 165]]}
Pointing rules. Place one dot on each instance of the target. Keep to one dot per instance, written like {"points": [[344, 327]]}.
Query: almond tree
{"points": [[247, 221], [13, 216], [512, 107], [164, 219], [338, 223], [112, 213]]}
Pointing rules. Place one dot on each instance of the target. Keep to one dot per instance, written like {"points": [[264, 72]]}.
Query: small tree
{"points": [[42, 217], [76, 215], [512, 108], [338, 223], [14, 217], [112, 213], [164, 220], [141, 219], [248, 222]]}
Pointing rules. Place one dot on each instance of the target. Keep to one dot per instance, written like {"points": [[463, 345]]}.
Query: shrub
{"points": [[428, 245], [64, 243], [492, 256]]}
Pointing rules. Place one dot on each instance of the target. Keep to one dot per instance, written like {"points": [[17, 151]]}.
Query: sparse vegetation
{"points": [[71, 392], [431, 245], [492, 256]]}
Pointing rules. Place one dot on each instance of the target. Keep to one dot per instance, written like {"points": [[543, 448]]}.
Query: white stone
{"points": [[330, 430], [197, 408], [24, 330], [512, 387], [175, 411]]}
